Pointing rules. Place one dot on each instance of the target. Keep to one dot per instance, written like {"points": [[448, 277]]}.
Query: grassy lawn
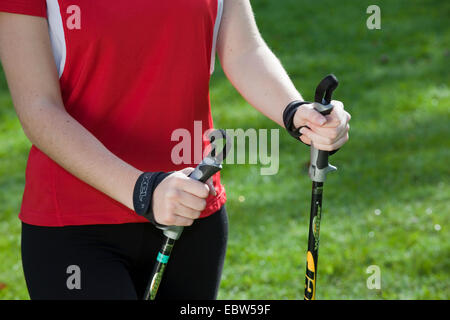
{"points": [[389, 202]]}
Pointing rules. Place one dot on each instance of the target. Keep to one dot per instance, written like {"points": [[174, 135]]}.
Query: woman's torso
{"points": [[131, 72]]}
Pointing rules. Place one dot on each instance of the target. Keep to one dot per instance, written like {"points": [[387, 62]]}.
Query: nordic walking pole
{"points": [[211, 164], [318, 169]]}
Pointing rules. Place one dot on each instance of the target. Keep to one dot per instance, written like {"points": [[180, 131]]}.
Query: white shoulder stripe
{"points": [[57, 37], [216, 33], [56, 31]]}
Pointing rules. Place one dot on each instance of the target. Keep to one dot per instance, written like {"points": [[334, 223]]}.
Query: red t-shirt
{"points": [[131, 72]]}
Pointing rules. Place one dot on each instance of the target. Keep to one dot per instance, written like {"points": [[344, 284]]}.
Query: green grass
{"points": [[395, 83]]}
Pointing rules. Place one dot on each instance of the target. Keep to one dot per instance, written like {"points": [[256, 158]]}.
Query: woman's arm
{"points": [[261, 79], [27, 60], [250, 65]]}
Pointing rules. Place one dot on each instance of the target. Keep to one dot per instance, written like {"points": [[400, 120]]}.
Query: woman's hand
{"points": [[178, 200], [328, 132]]}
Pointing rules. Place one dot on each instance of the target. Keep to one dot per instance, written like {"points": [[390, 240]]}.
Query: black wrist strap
{"points": [[288, 118], [143, 194]]}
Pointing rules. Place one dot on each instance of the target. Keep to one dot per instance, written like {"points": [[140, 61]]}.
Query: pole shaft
{"points": [[313, 241], [161, 262], [318, 169]]}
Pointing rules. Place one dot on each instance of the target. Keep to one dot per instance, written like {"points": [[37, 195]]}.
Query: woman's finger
{"points": [[186, 212], [338, 116], [305, 139], [315, 137], [210, 184], [194, 187], [191, 201], [333, 121], [307, 113], [181, 221], [332, 133], [331, 147], [187, 171]]}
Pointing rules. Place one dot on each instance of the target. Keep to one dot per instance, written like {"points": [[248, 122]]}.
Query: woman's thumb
{"points": [[306, 113]]}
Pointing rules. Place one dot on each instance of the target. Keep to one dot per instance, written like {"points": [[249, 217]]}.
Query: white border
{"points": [[216, 33], [57, 37]]}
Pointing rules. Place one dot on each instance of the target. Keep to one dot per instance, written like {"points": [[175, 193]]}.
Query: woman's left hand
{"points": [[328, 132]]}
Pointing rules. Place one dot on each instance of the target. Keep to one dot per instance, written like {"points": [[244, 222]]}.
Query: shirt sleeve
{"points": [[28, 7]]}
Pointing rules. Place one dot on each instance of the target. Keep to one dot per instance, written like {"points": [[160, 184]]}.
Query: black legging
{"points": [[115, 261]]}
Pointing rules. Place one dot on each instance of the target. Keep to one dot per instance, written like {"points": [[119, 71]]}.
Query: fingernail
{"points": [[322, 120]]}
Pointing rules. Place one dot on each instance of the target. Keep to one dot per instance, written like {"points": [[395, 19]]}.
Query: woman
{"points": [[99, 87]]}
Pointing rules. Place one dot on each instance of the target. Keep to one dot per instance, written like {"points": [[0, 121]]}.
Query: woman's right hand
{"points": [[178, 200]]}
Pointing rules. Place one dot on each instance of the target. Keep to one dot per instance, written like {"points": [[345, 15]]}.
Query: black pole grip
{"points": [[212, 163], [204, 171], [322, 159], [324, 91]]}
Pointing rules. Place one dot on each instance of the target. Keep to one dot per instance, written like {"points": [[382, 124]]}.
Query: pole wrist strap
{"points": [[288, 118], [143, 194]]}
